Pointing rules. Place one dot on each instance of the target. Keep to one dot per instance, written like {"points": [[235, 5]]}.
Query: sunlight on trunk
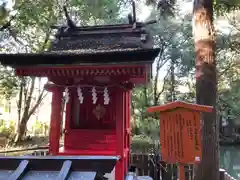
{"points": [[206, 87]]}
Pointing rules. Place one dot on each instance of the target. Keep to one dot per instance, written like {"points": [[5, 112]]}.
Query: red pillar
{"points": [[56, 118], [128, 126], [125, 129], [119, 170]]}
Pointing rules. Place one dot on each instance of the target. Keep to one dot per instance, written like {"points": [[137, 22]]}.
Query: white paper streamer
{"points": [[67, 97], [80, 94], [94, 95], [106, 96]]}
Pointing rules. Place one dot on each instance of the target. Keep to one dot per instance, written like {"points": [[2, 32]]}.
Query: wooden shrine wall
{"points": [[97, 140]]}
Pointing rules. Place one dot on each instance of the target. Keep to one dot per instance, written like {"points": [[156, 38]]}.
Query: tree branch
{"points": [[39, 101], [25, 116], [162, 90], [19, 102], [158, 67]]}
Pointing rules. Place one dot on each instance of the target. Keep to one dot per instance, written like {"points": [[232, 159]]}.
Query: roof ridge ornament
{"points": [[70, 22], [132, 16]]}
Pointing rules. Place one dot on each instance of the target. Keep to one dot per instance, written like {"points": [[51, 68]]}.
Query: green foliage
{"points": [[8, 83], [174, 68], [39, 127], [30, 31], [33, 20], [174, 63], [142, 144], [174, 36], [229, 101], [7, 131], [5, 9], [168, 8], [224, 6], [95, 12]]}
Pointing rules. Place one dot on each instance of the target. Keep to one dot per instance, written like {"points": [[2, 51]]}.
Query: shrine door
{"points": [[89, 125]]}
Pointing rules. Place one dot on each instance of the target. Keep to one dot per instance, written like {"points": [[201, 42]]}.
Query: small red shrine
{"points": [[94, 70]]}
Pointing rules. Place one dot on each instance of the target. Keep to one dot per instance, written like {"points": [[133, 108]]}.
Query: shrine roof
{"points": [[123, 43], [105, 44], [81, 56], [180, 104], [104, 37]]}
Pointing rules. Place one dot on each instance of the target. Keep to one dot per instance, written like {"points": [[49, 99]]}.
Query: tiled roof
{"points": [[92, 51], [123, 36], [92, 45]]}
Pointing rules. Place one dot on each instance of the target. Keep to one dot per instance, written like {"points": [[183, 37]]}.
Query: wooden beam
{"points": [[20, 171], [134, 12], [104, 164], [65, 170]]}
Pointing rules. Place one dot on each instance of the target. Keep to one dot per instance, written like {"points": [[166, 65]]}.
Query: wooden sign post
{"points": [[180, 133]]}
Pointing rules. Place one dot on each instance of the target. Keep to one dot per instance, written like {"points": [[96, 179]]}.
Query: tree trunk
{"points": [[206, 87], [220, 125], [230, 128], [173, 83], [19, 104], [22, 127], [26, 113]]}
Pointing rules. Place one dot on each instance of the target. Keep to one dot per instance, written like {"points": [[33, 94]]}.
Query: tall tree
{"points": [[206, 86]]}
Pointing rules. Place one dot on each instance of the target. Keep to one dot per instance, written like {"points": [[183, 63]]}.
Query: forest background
{"points": [[25, 26]]}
